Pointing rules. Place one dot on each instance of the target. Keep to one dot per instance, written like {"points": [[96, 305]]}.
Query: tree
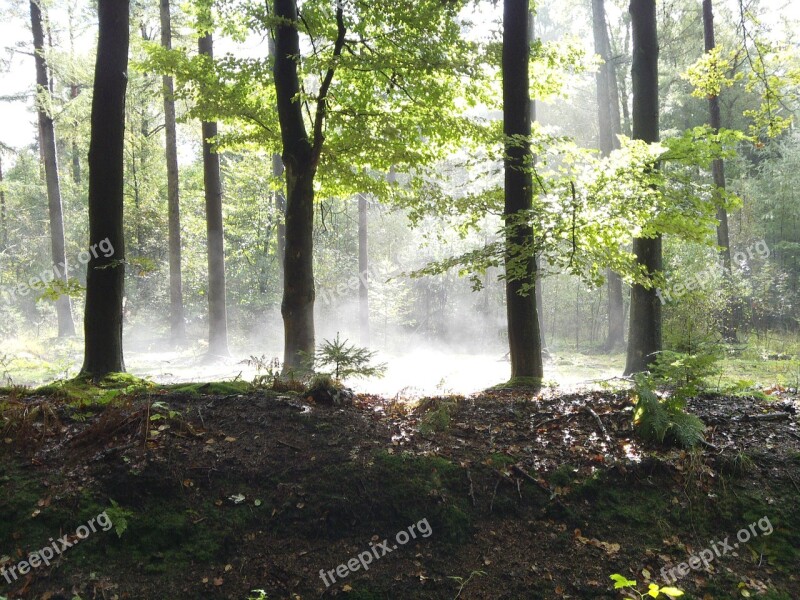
{"points": [[105, 276], [301, 156], [644, 334], [520, 262], [212, 178], [280, 196], [177, 319], [718, 172], [609, 127], [47, 141], [363, 270]]}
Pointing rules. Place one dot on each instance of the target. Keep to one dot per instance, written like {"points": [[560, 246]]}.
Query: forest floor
{"points": [[216, 490]]}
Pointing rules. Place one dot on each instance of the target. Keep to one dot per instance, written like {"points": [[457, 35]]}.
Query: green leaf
{"points": [[621, 581], [672, 592]]}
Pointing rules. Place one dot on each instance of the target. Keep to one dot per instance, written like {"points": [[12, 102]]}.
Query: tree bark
{"points": [[105, 276], [47, 139], [523, 324], [363, 271], [74, 92], [177, 320], [718, 173], [644, 337], [608, 128], [300, 159], [539, 290], [217, 310]]}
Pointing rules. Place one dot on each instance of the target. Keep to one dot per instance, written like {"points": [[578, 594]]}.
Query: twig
{"points": [[471, 489], [288, 445], [602, 427]]}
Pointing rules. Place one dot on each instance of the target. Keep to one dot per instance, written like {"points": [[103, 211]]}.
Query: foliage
{"points": [[119, 517], [663, 419], [654, 591], [463, 581], [348, 360]]}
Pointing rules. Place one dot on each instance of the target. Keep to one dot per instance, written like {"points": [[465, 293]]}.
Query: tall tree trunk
{"points": [[105, 276], [363, 271], [300, 159], [718, 173], [608, 128], [177, 320], [47, 140], [644, 336], [3, 217], [217, 310], [523, 323]]}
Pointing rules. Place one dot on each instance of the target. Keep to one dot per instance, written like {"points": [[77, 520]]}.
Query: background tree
{"points": [[212, 178], [47, 142], [609, 127], [177, 319], [105, 276]]}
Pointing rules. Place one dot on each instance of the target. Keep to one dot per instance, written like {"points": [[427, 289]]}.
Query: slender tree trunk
{"points": [[217, 310], [363, 271], [47, 140], [177, 320], [74, 92], [523, 323], [644, 337], [608, 129], [105, 276], [718, 173], [3, 214]]}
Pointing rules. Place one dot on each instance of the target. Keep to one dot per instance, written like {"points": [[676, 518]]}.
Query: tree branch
{"points": [[322, 98]]}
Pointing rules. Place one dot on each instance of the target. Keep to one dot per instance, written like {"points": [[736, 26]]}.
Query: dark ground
{"points": [[224, 490]]}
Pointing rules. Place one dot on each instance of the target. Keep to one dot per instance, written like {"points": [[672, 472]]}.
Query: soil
{"points": [[511, 495]]}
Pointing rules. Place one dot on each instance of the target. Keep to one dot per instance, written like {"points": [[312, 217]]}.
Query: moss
{"points": [[83, 391], [437, 420], [521, 383], [215, 388]]}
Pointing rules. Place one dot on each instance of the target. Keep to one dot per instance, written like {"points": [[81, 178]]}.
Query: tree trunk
{"points": [[644, 336], [74, 91], [177, 320], [105, 276], [523, 324], [47, 140], [3, 214], [718, 173], [363, 271], [217, 310], [300, 159], [608, 128]]}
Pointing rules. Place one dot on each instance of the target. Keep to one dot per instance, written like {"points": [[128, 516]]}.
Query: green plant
{"points": [[654, 590], [664, 420], [463, 582], [268, 370], [119, 517], [258, 595], [348, 360]]}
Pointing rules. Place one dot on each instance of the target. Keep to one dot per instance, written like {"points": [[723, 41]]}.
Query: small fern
{"points": [[664, 420]]}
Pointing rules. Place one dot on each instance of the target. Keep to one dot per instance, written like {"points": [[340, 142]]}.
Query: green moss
{"points": [[436, 420], [83, 391], [521, 383], [214, 388], [562, 476]]}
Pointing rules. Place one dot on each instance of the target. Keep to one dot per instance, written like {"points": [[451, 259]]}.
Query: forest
{"points": [[436, 299]]}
